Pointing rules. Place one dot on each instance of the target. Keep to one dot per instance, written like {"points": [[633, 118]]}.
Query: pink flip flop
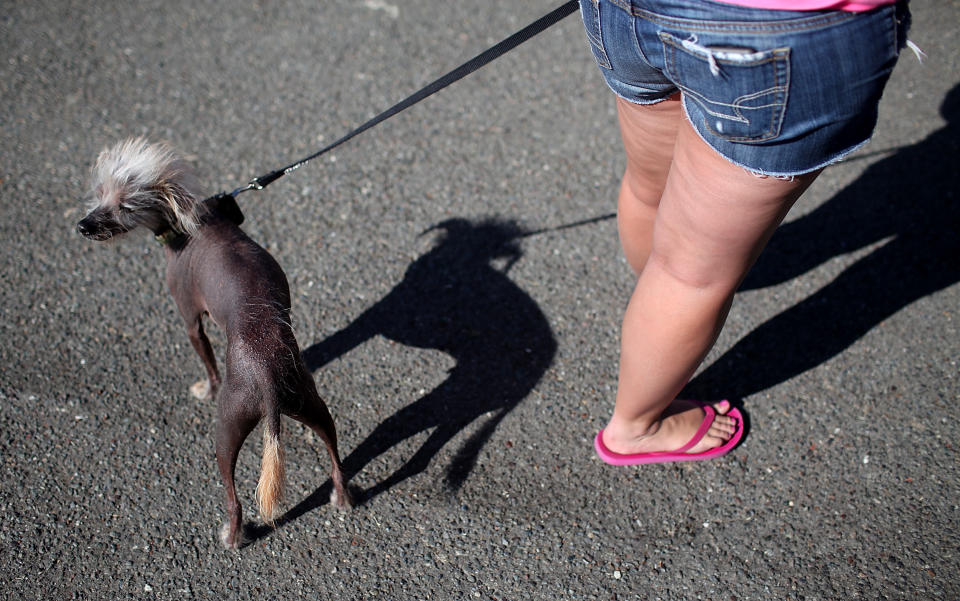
{"points": [[612, 458]]}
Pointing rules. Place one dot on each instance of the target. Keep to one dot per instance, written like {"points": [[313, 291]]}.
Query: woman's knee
{"points": [[694, 270]]}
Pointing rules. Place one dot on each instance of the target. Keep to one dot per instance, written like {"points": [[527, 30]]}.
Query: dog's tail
{"points": [[272, 472]]}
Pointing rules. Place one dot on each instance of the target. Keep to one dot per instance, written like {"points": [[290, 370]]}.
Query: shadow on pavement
{"points": [[454, 299]]}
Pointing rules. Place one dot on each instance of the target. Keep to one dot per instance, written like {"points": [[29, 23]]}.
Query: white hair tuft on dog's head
{"points": [[137, 175]]}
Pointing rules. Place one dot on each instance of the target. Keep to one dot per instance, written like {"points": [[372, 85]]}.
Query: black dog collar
{"points": [[166, 236], [223, 205]]}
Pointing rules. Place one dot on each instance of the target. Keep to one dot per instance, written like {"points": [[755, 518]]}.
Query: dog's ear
{"points": [[181, 208]]}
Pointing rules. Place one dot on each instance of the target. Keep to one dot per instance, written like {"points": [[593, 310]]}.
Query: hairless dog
{"points": [[213, 268]]}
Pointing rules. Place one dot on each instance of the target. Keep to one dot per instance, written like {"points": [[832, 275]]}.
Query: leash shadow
{"points": [[907, 204], [457, 300]]}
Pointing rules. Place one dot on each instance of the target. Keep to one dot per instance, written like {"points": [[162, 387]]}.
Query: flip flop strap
{"points": [[702, 431]]}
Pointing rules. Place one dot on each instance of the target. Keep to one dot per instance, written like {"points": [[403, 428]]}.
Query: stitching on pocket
{"points": [[731, 106], [592, 26]]}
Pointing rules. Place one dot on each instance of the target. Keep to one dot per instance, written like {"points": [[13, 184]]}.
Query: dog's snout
{"points": [[92, 229]]}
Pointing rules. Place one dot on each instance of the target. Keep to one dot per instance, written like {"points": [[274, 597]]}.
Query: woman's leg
{"points": [[712, 221], [649, 134]]}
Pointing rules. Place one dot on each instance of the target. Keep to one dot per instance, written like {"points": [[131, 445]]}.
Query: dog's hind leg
{"points": [[313, 413], [233, 426], [201, 344]]}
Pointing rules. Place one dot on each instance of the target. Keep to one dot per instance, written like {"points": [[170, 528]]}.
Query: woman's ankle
{"points": [[628, 431]]}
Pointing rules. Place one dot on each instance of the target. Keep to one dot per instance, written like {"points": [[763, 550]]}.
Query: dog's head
{"points": [[136, 183]]}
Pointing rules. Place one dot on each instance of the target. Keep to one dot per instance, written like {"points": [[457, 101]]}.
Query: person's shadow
{"points": [[908, 204], [456, 298]]}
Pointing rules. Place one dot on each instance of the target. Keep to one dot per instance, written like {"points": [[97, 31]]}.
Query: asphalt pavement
{"points": [[483, 213]]}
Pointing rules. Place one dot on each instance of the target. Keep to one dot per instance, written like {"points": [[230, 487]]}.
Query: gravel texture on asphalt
{"points": [[438, 241]]}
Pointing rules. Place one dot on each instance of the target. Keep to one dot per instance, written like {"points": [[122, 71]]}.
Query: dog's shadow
{"points": [[457, 298], [906, 203]]}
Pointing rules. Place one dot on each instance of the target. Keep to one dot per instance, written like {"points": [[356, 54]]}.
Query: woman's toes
{"points": [[723, 426], [722, 407]]}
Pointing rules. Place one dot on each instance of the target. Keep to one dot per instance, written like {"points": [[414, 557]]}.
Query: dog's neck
{"points": [[172, 240], [220, 205], [167, 236]]}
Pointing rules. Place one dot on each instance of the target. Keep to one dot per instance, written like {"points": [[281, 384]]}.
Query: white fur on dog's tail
{"points": [[272, 471]]}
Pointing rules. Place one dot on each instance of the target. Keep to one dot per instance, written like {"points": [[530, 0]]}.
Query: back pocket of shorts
{"points": [[742, 92]]}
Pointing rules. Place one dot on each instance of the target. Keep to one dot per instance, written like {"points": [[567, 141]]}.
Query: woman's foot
{"points": [[676, 427]]}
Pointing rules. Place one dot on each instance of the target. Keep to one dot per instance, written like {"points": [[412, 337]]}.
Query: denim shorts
{"points": [[777, 92]]}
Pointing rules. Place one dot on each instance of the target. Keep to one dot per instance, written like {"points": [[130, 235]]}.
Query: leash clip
{"points": [[259, 183]]}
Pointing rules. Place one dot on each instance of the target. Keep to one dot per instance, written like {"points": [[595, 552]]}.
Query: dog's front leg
{"points": [[201, 344]]}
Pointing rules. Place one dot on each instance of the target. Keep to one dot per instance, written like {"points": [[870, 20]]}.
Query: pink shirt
{"points": [[850, 5]]}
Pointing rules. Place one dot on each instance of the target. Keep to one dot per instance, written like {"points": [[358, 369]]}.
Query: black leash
{"points": [[538, 26]]}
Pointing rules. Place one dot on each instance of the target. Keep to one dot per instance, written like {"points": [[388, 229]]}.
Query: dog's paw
{"points": [[233, 540], [342, 499], [201, 390]]}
